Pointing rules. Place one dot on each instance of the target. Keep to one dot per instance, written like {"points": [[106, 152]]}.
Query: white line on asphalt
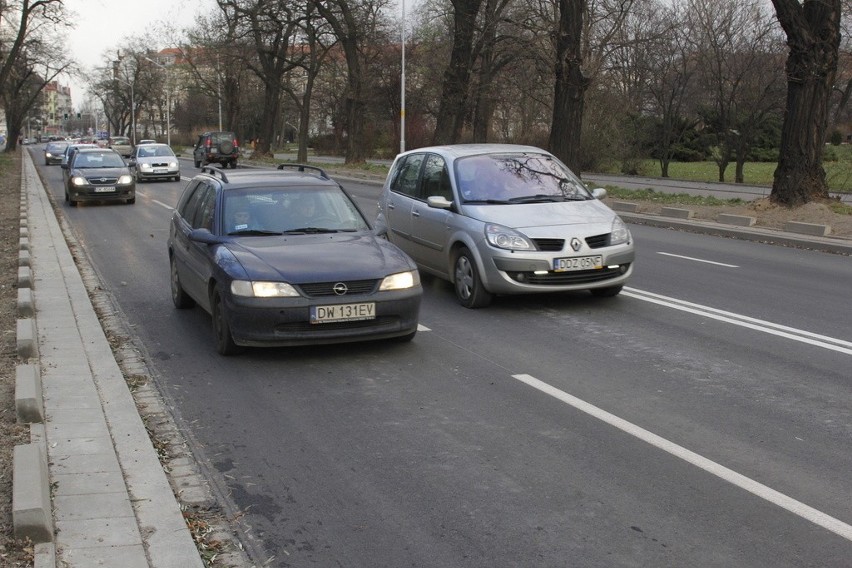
{"points": [[421, 327], [796, 507], [698, 260], [162, 204], [824, 341]]}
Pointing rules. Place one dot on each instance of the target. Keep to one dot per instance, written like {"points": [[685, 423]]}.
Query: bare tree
{"points": [[582, 35], [670, 70], [354, 23], [454, 94], [27, 62], [813, 38]]}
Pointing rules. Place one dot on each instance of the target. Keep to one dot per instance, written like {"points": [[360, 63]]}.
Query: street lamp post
{"points": [[168, 103]]}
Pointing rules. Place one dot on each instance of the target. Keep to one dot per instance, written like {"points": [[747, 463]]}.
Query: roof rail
{"points": [[214, 172], [303, 167]]}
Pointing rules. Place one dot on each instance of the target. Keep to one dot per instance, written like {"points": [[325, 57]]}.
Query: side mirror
{"points": [[63, 166], [439, 202], [203, 236], [599, 193]]}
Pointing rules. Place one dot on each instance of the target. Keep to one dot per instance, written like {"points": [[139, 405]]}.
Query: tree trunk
{"points": [[570, 85], [454, 93], [813, 35]]}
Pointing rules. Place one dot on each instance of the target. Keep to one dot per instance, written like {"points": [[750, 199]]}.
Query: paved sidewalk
{"points": [[111, 500]]}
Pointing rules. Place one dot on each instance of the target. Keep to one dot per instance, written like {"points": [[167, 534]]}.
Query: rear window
{"points": [[120, 140], [219, 137]]}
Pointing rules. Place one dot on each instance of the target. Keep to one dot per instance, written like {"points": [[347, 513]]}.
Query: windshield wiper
{"points": [[486, 201], [254, 232], [539, 198], [305, 230]]}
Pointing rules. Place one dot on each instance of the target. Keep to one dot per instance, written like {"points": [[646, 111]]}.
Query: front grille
{"points": [[567, 278], [327, 288], [549, 245], [102, 180], [598, 241]]}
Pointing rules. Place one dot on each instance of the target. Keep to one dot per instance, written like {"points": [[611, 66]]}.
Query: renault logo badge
{"points": [[576, 244]]}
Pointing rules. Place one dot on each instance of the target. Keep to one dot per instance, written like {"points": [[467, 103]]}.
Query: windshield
{"points": [[292, 210], [98, 160], [154, 151], [517, 178]]}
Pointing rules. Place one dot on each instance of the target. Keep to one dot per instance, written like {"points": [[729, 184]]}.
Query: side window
{"points": [[407, 175], [436, 178], [206, 209], [189, 202]]}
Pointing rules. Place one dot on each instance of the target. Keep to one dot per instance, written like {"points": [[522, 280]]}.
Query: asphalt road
{"points": [[701, 418]]}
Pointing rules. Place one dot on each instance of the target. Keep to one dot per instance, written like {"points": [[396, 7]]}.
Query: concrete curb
{"points": [[824, 244], [31, 507], [92, 430], [29, 404]]}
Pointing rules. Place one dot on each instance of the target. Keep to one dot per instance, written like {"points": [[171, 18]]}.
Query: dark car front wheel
{"points": [[225, 344], [469, 289], [180, 298]]}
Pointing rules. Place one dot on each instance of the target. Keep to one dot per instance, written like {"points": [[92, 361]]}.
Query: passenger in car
{"points": [[242, 220]]}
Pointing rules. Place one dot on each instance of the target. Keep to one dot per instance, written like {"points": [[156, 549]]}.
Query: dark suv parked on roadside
{"points": [[216, 148]]}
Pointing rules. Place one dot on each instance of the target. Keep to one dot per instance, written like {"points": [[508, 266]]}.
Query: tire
{"points": [[226, 147], [71, 202], [470, 291], [606, 292], [131, 201], [180, 298], [225, 344], [197, 163]]}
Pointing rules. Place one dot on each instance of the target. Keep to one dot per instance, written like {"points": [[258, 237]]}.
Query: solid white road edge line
{"points": [[816, 339], [698, 260], [796, 507]]}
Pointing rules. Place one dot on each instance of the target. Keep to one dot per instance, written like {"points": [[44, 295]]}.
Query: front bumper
{"points": [[88, 193], [283, 322], [145, 175], [505, 272]]}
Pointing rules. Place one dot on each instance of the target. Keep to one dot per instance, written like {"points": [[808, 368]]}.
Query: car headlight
{"points": [[125, 179], [145, 166], [619, 234], [251, 289], [79, 180], [506, 238], [401, 281], [173, 164]]}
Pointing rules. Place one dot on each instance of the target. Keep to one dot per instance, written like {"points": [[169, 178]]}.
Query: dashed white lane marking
{"points": [[698, 260], [796, 507]]}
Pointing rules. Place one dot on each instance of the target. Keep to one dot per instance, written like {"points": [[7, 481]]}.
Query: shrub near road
{"points": [[13, 553]]}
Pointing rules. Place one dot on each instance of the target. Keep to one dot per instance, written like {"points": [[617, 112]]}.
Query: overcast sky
{"points": [[102, 25]]}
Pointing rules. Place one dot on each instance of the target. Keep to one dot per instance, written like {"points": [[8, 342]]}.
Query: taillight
{"points": [[208, 143], [236, 144]]}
